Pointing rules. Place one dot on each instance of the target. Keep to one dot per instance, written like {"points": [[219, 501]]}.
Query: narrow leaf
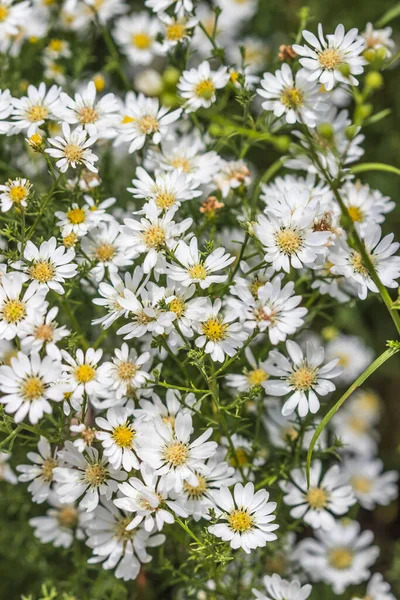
{"points": [[391, 14], [365, 167]]}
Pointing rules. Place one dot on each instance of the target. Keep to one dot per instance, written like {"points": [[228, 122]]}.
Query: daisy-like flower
{"points": [[191, 268], [250, 378], [57, 49], [6, 104], [356, 431], [371, 486], [218, 335], [170, 453], [83, 374], [199, 85], [85, 435], [115, 546], [143, 118], [107, 9], [97, 117], [377, 589], [159, 6], [365, 205], [73, 149], [334, 60], [233, 174], [168, 410], [48, 266], [279, 589], [15, 193], [296, 98], [354, 356], [17, 310], [339, 557], [154, 235], [349, 262], [40, 473], [77, 220], [6, 472], [302, 377], [119, 438], [33, 110], [85, 474], [379, 38], [188, 310], [166, 191], [150, 505], [176, 30], [136, 36], [327, 494], [125, 371], [248, 517], [61, 524], [28, 384]]}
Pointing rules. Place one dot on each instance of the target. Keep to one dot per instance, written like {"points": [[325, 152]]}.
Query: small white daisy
{"points": [[73, 149], [281, 589], [40, 473], [119, 439], [126, 372], [33, 110], [15, 193], [370, 484], [199, 85]]}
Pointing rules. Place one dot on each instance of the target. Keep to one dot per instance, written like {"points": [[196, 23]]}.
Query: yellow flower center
{"points": [[96, 474], [205, 89], [340, 558], [37, 113], [290, 432], [175, 32], [88, 435], [121, 533], [127, 119], [47, 469], [356, 214], [126, 370], [99, 82], [56, 45], [32, 388], [256, 377], [123, 436], [196, 491], [176, 454], [73, 152], [288, 241], [358, 424], [70, 240], [292, 98], [255, 286], [182, 163], [13, 311], [3, 12], [44, 332], [76, 216], [105, 252], [303, 379], [197, 272], [240, 458], [154, 237], [43, 271], [35, 140], [18, 193], [240, 521], [164, 200], [317, 497], [85, 373], [214, 330], [141, 40], [87, 114], [361, 484], [330, 59], [148, 124], [169, 420], [177, 306], [67, 517]]}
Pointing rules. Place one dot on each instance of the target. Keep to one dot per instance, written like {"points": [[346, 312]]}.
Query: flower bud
{"points": [[362, 112], [99, 82], [329, 333], [325, 130], [282, 143], [374, 80], [369, 54], [345, 69], [351, 131], [171, 77]]}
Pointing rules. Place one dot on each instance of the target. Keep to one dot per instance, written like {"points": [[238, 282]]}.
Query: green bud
{"points": [[362, 112], [381, 54], [374, 80], [369, 54], [345, 69], [282, 143], [215, 130], [171, 77], [329, 333], [169, 99], [351, 132], [325, 130]]}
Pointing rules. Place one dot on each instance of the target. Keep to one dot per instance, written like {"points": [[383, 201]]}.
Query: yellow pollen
{"points": [[13, 311], [96, 474], [73, 152], [141, 41], [340, 558], [356, 262], [330, 59], [121, 533], [3, 12], [358, 424], [240, 521], [234, 75], [154, 237], [292, 98], [176, 453], [291, 433], [214, 330], [43, 271], [99, 82], [126, 370], [67, 517], [344, 360], [175, 32], [44, 332], [87, 114], [88, 435], [18, 193], [177, 306], [197, 272], [255, 286], [70, 240], [257, 376], [85, 373], [361, 484], [127, 119], [182, 163], [56, 45], [37, 113], [165, 200], [123, 436], [288, 241], [32, 388], [196, 491], [105, 252], [76, 216], [317, 497], [148, 124], [303, 379], [240, 459], [169, 420], [144, 318], [205, 89], [356, 214], [47, 469], [36, 139]]}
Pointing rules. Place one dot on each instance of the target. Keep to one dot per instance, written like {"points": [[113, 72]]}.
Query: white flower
{"points": [[85, 473], [6, 100], [248, 515], [176, 30], [61, 524], [327, 494], [302, 377], [297, 98], [250, 378], [16, 310], [125, 371], [336, 60], [6, 472], [171, 454], [354, 356], [15, 193], [379, 38], [82, 374], [218, 335], [279, 589], [119, 439], [365, 205], [355, 430], [232, 174], [339, 557], [349, 262], [73, 149], [28, 384], [370, 484], [115, 546], [191, 268], [85, 436], [158, 6], [377, 589], [31, 111], [136, 35], [174, 405], [40, 473], [188, 310], [107, 9], [199, 85], [77, 220]]}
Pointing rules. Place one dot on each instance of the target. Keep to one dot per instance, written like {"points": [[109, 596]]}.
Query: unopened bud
{"points": [[363, 111], [171, 77], [329, 333], [35, 141], [351, 132], [99, 82], [381, 54], [374, 80], [325, 130], [282, 143], [345, 69], [369, 54]]}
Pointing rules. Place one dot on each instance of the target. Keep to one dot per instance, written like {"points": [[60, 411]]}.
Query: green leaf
{"points": [[365, 167], [377, 117], [391, 61], [391, 14]]}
